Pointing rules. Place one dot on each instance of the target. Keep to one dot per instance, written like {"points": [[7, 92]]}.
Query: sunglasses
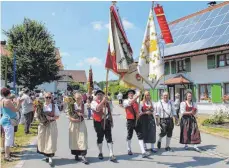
{"points": [[48, 97]]}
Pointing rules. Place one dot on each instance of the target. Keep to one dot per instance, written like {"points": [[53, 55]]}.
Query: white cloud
{"points": [[79, 64], [64, 54], [127, 24], [93, 61], [97, 25], [107, 25], [53, 14]]}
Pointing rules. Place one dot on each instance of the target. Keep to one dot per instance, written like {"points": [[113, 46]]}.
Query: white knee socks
{"points": [[110, 147], [152, 146], [100, 147], [129, 145], [168, 141], [160, 138], [141, 143]]}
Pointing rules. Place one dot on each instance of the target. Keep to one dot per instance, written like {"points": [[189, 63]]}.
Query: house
{"points": [[199, 58], [69, 76]]}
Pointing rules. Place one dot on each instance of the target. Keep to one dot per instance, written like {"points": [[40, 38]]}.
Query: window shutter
{"points": [[211, 61], [173, 67], [216, 91], [188, 65], [167, 68], [194, 98]]}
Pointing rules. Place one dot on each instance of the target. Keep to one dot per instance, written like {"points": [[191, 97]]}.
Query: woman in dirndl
{"points": [[48, 133], [189, 133], [147, 121], [78, 141]]}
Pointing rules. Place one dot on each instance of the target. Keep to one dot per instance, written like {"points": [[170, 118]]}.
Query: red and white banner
{"points": [[165, 31]]}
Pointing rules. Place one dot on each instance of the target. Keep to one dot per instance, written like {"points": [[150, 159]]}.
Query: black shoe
{"points": [[47, 159], [153, 150], [100, 156], [84, 160], [129, 152], [168, 149], [145, 155], [113, 159], [77, 158], [159, 145]]}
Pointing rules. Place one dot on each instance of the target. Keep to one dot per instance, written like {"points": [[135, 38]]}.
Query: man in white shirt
{"points": [[27, 110], [165, 112], [98, 107]]}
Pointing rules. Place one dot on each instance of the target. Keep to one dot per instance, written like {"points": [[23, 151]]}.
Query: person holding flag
{"points": [[132, 115], [99, 106]]}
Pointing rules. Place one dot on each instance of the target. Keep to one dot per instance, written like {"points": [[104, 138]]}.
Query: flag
{"points": [[90, 81], [119, 54], [150, 64]]}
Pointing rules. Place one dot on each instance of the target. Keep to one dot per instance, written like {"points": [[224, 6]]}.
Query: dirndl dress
{"points": [[148, 125], [189, 133]]}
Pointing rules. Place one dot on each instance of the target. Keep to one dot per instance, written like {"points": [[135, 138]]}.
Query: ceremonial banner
{"points": [[165, 31], [150, 64], [119, 55], [90, 81]]}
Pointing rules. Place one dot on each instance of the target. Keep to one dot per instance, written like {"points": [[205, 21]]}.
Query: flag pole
{"points": [[106, 92]]}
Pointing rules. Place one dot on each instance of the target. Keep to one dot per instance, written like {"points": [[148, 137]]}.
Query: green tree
{"points": [[35, 53], [78, 86], [9, 65]]}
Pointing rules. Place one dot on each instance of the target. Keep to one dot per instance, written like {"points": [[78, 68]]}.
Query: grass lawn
{"points": [[223, 132], [22, 141]]}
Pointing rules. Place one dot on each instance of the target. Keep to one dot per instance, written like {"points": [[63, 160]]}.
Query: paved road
{"points": [[212, 156]]}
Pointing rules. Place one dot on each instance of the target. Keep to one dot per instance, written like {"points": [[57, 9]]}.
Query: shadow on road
{"points": [[196, 161]]}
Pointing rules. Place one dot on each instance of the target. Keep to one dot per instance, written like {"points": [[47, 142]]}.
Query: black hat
{"points": [[130, 90], [99, 91]]}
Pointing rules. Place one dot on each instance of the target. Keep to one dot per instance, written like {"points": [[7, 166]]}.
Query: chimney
{"points": [[212, 3], [3, 42]]}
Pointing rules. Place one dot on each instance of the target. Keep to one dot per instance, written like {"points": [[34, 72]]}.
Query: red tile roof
{"points": [[4, 51], [200, 12], [180, 79], [77, 75]]}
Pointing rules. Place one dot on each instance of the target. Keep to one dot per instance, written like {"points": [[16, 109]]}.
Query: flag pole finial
{"points": [[113, 2]]}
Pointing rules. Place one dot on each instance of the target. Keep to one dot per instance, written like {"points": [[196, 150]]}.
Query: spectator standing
{"points": [[120, 97], [27, 110]]}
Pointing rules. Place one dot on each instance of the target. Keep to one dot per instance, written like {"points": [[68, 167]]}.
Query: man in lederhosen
{"points": [[132, 114], [165, 112], [98, 108]]}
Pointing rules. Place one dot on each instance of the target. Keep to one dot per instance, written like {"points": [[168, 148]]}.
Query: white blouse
{"points": [[77, 107], [48, 108], [147, 104], [183, 107]]}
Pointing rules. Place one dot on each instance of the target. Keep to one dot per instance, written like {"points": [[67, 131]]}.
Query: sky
{"points": [[80, 28]]}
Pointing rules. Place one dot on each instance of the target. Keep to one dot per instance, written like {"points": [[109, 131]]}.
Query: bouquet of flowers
{"points": [[41, 116]]}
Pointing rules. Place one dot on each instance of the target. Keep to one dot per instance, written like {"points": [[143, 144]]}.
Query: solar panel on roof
{"points": [[208, 33], [225, 9], [226, 18], [201, 31], [222, 40], [206, 24], [217, 20], [205, 16], [220, 30], [214, 13]]}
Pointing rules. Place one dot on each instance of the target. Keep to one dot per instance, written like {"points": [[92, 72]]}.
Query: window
{"points": [[180, 66], [167, 68], [211, 61], [204, 92], [173, 67], [227, 89], [223, 60]]}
